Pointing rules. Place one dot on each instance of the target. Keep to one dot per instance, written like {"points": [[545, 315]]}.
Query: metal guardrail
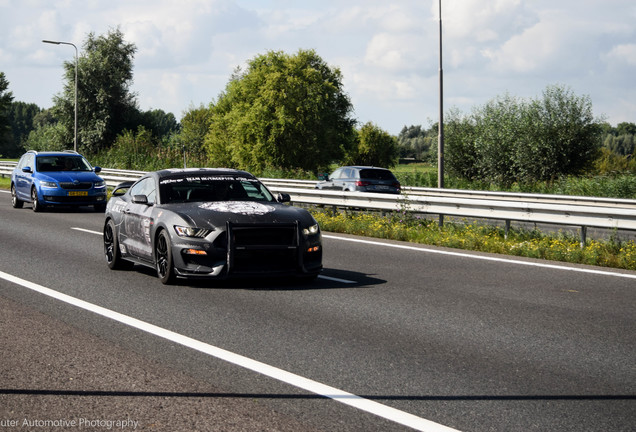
{"points": [[533, 208]]}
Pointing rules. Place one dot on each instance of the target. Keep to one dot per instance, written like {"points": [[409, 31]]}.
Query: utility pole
{"points": [[440, 136], [440, 125]]}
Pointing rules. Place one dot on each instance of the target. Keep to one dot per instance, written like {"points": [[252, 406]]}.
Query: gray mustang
{"points": [[211, 223]]}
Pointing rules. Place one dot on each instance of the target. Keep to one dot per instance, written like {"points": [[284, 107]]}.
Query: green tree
{"points": [[195, 125], [625, 128], [460, 148], [106, 106], [287, 111], [22, 119], [498, 131], [159, 122], [416, 142], [511, 140], [375, 147], [561, 134], [623, 145], [6, 97], [48, 137]]}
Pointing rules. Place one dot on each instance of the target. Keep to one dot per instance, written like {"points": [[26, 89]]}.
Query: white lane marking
{"points": [[307, 384], [4, 191], [336, 279], [86, 230], [486, 258]]}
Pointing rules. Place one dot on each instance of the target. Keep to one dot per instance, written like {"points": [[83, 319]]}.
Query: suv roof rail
{"points": [[71, 151]]}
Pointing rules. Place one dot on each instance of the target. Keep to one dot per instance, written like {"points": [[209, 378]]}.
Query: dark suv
{"points": [[56, 178], [361, 179]]}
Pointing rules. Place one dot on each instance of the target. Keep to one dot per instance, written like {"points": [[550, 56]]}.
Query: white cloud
{"points": [[624, 53], [397, 52]]}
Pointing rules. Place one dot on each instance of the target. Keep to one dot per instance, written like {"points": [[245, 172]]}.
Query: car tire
{"points": [[35, 202], [15, 201], [163, 258], [111, 248]]}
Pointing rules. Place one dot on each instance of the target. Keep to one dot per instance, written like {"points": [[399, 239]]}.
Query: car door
{"points": [[24, 177], [345, 180], [137, 219], [330, 182]]}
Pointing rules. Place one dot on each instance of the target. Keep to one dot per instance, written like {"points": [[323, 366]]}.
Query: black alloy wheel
{"points": [[163, 258], [35, 202], [111, 248], [15, 201]]}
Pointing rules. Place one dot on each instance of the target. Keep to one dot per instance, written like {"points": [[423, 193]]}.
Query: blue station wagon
{"points": [[56, 179]]}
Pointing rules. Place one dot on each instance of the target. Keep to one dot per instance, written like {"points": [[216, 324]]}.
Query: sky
{"points": [[388, 51]]}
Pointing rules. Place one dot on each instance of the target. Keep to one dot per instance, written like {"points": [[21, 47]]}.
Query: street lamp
{"points": [[73, 45], [440, 126]]}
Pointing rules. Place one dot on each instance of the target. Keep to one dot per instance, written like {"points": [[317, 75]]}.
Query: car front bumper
{"points": [[264, 250]]}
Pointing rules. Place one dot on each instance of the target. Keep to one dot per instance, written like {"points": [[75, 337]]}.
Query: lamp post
{"points": [[73, 45], [440, 126]]}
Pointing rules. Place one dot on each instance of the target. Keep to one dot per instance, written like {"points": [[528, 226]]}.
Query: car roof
{"points": [[54, 153], [209, 171], [365, 167]]}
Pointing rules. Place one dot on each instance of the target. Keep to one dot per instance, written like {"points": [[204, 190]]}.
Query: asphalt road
{"points": [[409, 334]]}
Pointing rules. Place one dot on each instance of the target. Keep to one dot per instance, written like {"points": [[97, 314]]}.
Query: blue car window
{"points": [[23, 161], [29, 162], [62, 163]]}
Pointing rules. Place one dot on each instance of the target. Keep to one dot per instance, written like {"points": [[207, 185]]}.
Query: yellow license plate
{"points": [[78, 193]]}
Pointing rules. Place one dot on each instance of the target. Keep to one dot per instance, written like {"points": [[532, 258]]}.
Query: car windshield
{"points": [[375, 174], [205, 188], [62, 163]]}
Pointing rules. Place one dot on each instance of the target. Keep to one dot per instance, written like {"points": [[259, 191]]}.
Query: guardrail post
{"points": [[441, 220], [583, 236], [507, 229]]}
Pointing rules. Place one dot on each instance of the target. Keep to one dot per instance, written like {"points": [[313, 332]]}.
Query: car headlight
{"points": [[191, 232], [100, 184], [312, 230], [48, 184]]}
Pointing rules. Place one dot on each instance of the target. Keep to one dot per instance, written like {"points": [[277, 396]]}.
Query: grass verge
{"points": [[473, 236]]}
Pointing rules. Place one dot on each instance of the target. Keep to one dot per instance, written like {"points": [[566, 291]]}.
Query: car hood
{"points": [[70, 176], [217, 213]]}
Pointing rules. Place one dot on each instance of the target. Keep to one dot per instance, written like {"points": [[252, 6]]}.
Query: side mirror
{"points": [[283, 198], [119, 191], [27, 169], [140, 199], [97, 169]]}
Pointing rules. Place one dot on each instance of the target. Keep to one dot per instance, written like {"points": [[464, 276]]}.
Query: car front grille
{"points": [[262, 248], [71, 185], [75, 199]]}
